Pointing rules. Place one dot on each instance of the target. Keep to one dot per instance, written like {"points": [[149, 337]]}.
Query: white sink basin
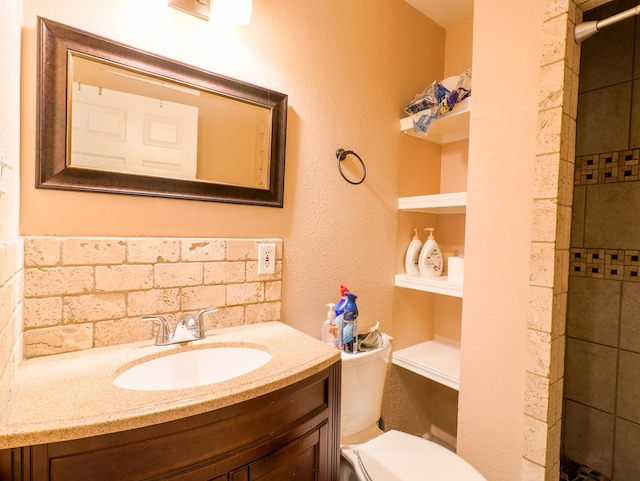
{"points": [[197, 367]]}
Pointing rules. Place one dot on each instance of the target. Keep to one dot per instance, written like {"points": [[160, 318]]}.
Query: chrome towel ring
{"points": [[341, 154]]}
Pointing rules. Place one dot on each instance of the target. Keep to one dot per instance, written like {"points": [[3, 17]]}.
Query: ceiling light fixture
{"points": [[198, 8]]}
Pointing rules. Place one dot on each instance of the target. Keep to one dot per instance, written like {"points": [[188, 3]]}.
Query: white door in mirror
{"points": [[134, 134]]}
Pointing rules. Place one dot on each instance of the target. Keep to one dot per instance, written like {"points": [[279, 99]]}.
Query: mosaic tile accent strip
{"points": [[571, 471], [615, 264], [608, 167]]}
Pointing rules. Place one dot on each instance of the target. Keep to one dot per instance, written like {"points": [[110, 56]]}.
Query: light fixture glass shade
{"points": [[235, 12]]}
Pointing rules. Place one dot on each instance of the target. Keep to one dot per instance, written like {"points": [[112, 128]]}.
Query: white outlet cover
{"points": [[266, 258]]}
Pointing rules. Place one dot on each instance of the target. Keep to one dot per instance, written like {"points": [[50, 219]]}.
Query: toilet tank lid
{"points": [[399, 456]]}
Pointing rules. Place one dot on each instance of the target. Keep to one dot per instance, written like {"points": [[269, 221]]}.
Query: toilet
{"points": [[368, 453]]}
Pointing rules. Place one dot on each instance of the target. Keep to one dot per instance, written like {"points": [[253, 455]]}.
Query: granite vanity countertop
{"points": [[71, 396]]}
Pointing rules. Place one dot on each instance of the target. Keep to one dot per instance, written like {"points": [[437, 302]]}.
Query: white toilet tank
{"points": [[363, 377]]}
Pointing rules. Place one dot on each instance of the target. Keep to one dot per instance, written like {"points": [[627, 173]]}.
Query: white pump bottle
{"points": [[430, 261], [413, 254]]}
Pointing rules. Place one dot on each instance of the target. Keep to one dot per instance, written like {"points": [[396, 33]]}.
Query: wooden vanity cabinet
{"points": [[290, 434]]}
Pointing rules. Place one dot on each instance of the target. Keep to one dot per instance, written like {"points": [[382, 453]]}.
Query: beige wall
{"points": [[521, 162], [459, 47], [348, 68], [11, 273], [501, 156]]}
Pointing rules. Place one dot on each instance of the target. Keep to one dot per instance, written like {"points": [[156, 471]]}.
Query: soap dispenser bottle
{"points": [[412, 256], [430, 260], [329, 328]]}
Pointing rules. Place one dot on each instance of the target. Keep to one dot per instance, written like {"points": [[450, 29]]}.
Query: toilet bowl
{"points": [[368, 453]]}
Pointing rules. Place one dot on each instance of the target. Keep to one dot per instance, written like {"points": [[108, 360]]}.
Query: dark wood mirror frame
{"points": [[56, 41]]}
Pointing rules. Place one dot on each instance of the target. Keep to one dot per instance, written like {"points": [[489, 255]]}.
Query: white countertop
{"points": [[71, 396]]}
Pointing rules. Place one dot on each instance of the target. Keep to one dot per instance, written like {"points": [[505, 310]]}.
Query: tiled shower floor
{"points": [[570, 471]]}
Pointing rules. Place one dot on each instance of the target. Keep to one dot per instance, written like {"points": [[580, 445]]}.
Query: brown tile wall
{"points": [[83, 292], [602, 373]]}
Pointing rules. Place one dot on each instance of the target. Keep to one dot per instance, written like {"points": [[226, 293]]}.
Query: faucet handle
{"points": [[198, 324], [163, 335], [204, 311]]}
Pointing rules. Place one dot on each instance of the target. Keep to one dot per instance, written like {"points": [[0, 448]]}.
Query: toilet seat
{"points": [[398, 456]]}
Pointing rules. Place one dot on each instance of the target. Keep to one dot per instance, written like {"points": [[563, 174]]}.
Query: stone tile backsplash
{"points": [[11, 308], [85, 292]]}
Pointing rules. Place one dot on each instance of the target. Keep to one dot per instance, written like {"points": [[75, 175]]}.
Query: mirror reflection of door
{"points": [[129, 122], [133, 134]]}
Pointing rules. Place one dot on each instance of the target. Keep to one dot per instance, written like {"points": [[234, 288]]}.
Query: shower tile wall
{"points": [[602, 382]]}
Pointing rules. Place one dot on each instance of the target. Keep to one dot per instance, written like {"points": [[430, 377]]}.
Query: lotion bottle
{"points": [[413, 254], [430, 261]]}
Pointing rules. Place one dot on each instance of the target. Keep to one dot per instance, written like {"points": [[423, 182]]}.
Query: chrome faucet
{"points": [[189, 328]]}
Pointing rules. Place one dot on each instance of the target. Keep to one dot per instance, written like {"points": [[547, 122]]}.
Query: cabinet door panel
{"points": [[154, 455], [240, 475], [298, 461]]}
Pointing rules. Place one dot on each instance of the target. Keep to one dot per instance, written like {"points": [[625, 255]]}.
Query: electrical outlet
{"points": [[266, 258]]}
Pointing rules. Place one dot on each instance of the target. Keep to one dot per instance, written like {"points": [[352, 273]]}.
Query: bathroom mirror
{"points": [[114, 119]]}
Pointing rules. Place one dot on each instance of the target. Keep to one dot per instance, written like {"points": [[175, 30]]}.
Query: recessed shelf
{"points": [[435, 360], [452, 203], [449, 127], [436, 285], [438, 360]]}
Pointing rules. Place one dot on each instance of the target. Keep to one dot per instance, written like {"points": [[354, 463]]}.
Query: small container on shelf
{"points": [[455, 270]]}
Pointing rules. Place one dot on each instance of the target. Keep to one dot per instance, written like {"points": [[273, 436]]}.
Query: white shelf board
{"points": [[452, 203], [449, 127], [437, 285], [434, 360]]}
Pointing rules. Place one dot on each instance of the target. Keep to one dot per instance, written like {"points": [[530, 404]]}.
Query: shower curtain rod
{"points": [[584, 30]]}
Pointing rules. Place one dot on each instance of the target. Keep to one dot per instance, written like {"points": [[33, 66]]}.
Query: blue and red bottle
{"points": [[339, 310], [349, 324]]}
